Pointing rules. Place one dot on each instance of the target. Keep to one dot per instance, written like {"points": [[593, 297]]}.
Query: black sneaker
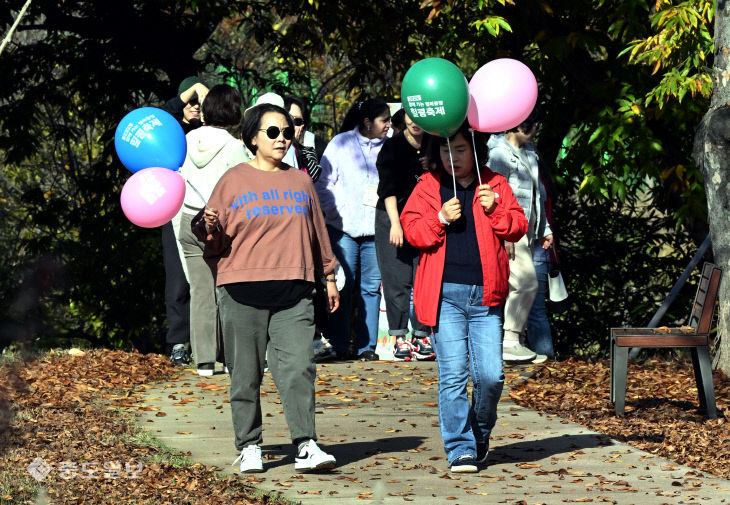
{"points": [[179, 355], [368, 356], [464, 464], [482, 452], [422, 349], [343, 356]]}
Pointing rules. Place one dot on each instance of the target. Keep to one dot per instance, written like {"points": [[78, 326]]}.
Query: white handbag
{"points": [[557, 293]]}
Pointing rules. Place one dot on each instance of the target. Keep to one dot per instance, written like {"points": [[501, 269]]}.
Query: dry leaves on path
{"points": [[662, 414], [66, 412]]}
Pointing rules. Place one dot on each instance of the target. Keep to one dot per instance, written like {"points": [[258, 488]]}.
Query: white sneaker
{"points": [[514, 351], [311, 458], [465, 464], [250, 458], [206, 369], [539, 358]]}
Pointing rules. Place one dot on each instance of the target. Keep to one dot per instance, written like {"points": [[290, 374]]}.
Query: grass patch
{"points": [[16, 484], [163, 454]]}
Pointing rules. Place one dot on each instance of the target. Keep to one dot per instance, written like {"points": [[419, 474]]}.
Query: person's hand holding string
{"points": [[487, 198], [451, 210]]}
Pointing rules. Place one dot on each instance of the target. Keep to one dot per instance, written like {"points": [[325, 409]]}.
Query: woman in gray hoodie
{"points": [[212, 150]]}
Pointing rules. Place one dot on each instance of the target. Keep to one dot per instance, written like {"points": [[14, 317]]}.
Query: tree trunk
{"points": [[712, 155]]}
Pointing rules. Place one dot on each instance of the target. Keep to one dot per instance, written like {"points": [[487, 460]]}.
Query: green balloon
{"points": [[435, 95]]}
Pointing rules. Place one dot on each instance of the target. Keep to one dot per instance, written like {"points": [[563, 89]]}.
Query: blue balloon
{"points": [[150, 137]]}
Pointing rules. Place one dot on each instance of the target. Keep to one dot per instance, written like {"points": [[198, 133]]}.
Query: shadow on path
{"points": [[534, 450], [347, 452]]}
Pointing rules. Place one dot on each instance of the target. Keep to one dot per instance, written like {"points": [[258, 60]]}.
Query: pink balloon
{"points": [[152, 196], [501, 95]]}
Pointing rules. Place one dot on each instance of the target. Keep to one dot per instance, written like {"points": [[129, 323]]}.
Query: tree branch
{"points": [[15, 25]]}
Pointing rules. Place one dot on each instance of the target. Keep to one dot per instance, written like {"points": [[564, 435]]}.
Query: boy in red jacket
{"points": [[461, 285]]}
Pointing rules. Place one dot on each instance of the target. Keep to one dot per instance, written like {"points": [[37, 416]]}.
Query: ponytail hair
{"points": [[368, 109]]}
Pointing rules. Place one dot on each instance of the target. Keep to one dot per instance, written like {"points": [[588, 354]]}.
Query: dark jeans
{"points": [[539, 336], [357, 257], [398, 270], [177, 291]]}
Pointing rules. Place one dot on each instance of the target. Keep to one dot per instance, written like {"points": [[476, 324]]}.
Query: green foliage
{"points": [[330, 52], [680, 46], [616, 127], [619, 262], [73, 266], [623, 84]]}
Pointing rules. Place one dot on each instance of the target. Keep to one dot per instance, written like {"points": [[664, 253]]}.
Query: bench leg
{"points": [[620, 365], [703, 378], [611, 359], [698, 377]]}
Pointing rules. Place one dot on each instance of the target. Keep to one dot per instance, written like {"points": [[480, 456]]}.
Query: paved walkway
{"points": [[380, 421]]}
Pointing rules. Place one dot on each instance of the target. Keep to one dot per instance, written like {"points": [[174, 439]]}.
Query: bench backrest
{"points": [[703, 308]]}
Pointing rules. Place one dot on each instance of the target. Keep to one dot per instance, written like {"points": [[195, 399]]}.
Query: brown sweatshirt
{"points": [[271, 227]]}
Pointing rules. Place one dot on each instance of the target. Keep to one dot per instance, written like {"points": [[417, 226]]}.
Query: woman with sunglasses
{"points": [[266, 236], [348, 188], [306, 152], [308, 148]]}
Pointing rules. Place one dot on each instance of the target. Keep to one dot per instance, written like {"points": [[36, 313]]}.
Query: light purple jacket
{"points": [[348, 170]]}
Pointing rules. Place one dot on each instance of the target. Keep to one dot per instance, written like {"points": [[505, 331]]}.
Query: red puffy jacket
{"points": [[424, 230]]}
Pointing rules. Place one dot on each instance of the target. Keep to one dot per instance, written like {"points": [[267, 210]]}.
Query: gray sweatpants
{"points": [[288, 333], [205, 341]]}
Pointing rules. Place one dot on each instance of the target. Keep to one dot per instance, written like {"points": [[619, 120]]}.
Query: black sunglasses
{"points": [[273, 132], [298, 121]]}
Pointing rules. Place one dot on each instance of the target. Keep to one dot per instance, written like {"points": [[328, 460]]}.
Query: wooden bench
{"points": [[694, 336]]}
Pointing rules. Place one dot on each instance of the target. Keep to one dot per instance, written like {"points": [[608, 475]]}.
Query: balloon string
{"points": [[198, 193], [451, 160], [476, 158]]}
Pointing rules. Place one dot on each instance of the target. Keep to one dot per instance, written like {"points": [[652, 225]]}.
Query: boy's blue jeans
{"points": [[467, 340]]}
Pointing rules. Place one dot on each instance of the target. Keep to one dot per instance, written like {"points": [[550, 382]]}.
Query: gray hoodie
{"points": [[211, 152]]}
